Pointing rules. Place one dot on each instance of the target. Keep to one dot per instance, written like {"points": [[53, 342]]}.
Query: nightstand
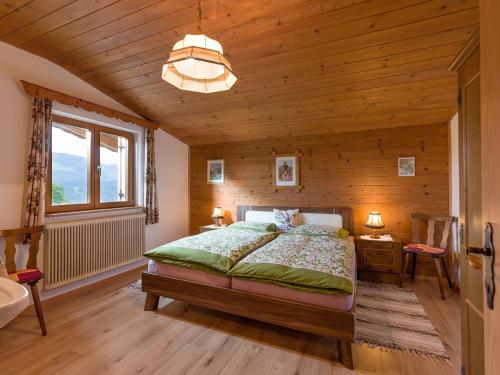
{"points": [[379, 260], [210, 227]]}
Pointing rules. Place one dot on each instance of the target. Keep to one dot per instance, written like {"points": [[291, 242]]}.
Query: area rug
{"points": [[393, 318], [136, 285]]}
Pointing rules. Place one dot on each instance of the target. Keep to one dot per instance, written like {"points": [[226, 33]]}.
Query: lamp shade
{"points": [[197, 63], [374, 221], [217, 212]]}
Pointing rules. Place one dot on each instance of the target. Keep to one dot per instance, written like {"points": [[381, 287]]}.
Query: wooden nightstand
{"points": [[379, 260], [210, 227]]}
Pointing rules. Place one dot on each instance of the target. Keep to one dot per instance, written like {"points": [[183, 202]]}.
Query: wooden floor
{"points": [[102, 329]]}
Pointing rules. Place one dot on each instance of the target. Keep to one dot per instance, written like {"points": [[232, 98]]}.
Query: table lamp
{"points": [[374, 222], [218, 215]]}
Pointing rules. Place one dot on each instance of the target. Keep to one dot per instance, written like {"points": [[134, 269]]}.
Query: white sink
{"points": [[13, 300]]}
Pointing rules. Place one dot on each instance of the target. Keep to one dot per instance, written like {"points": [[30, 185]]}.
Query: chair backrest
{"points": [[11, 236], [446, 229]]}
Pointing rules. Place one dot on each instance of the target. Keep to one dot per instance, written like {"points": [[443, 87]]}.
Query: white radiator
{"points": [[75, 250]]}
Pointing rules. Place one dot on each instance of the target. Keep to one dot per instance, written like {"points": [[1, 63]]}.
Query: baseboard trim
{"points": [[47, 294]]}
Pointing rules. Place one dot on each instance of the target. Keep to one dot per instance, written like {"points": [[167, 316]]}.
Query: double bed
{"points": [[287, 279]]}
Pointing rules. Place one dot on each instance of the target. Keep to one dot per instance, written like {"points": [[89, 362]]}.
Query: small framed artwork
{"points": [[286, 172], [406, 167], [215, 171]]}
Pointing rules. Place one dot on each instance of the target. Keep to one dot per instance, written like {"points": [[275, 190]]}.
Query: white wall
{"points": [[455, 187], [172, 165], [171, 155], [454, 168]]}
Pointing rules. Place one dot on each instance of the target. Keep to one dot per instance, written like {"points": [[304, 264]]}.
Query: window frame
{"points": [[92, 169]]}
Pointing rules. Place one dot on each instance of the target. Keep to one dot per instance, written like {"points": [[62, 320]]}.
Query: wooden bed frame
{"points": [[296, 315]]}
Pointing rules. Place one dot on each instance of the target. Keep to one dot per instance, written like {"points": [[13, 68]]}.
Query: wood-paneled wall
{"points": [[357, 169]]}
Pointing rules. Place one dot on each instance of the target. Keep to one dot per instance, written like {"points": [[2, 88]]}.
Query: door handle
{"points": [[488, 252], [479, 250], [471, 252]]}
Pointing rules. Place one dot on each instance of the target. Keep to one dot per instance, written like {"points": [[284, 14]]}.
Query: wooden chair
{"points": [[437, 252], [31, 275]]}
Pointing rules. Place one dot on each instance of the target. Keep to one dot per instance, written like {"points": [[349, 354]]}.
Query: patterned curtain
{"points": [[38, 157], [151, 204]]}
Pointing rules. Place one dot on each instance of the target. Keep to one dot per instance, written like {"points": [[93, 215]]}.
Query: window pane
{"points": [[70, 164], [114, 168]]}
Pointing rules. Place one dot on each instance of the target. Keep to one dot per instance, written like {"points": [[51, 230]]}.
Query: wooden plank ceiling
{"points": [[304, 66]]}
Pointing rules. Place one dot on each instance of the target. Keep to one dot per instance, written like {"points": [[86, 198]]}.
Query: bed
{"points": [[295, 308]]}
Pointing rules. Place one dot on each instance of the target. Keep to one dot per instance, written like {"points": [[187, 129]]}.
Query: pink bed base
{"points": [[331, 301], [189, 274]]}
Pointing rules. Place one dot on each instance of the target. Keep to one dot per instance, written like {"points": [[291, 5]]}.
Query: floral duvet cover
{"points": [[213, 251], [318, 263]]}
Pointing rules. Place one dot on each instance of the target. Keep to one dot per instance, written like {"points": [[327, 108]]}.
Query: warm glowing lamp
{"points": [[374, 222], [197, 63], [218, 215]]}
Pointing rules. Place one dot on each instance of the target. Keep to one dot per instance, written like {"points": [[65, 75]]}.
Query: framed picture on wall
{"points": [[215, 171], [286, 171], [406, 167]]}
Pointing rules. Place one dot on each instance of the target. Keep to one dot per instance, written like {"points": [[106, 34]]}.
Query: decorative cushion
{"points": [[286, 219], [28, 275], [422, 248]]}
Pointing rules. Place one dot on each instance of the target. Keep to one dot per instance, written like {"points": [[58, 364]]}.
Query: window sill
{"points": [[91, 214]]}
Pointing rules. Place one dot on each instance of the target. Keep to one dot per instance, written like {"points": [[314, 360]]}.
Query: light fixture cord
{"points": [[199, 15]]}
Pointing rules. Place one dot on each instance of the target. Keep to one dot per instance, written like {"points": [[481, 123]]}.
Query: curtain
{"points": [[151, 201], [36, 172]]}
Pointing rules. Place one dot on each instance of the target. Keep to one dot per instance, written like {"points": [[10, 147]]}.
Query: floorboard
{"points": [[102, 329]]}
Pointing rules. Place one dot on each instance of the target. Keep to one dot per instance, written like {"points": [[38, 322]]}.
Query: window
{"points": [[90, 167]]}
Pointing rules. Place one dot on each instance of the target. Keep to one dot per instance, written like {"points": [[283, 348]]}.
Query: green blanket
{"points": [[214, 251], [306, 262]]}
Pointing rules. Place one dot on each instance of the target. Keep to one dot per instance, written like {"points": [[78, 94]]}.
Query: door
{"points": [[471, 226], [480, 187], [490, 145]]}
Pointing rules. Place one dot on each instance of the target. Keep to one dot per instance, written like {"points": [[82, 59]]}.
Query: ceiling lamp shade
{"points": [[197, 63]]}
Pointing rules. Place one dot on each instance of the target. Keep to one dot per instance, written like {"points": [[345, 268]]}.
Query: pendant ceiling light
{"points": [[197, 63]]}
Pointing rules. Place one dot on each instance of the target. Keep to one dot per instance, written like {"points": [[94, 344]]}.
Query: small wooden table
{"points": [[210, 227], [379, 260]]}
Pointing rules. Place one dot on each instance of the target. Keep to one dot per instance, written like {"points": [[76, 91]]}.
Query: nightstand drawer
{"points": [[379, 259], [378, 245]]}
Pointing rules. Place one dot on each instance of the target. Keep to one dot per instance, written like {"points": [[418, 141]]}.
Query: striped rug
{"points": [[392, 318]]}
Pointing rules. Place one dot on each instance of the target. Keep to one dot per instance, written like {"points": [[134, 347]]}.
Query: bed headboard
{"points": [[345, 212]]}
